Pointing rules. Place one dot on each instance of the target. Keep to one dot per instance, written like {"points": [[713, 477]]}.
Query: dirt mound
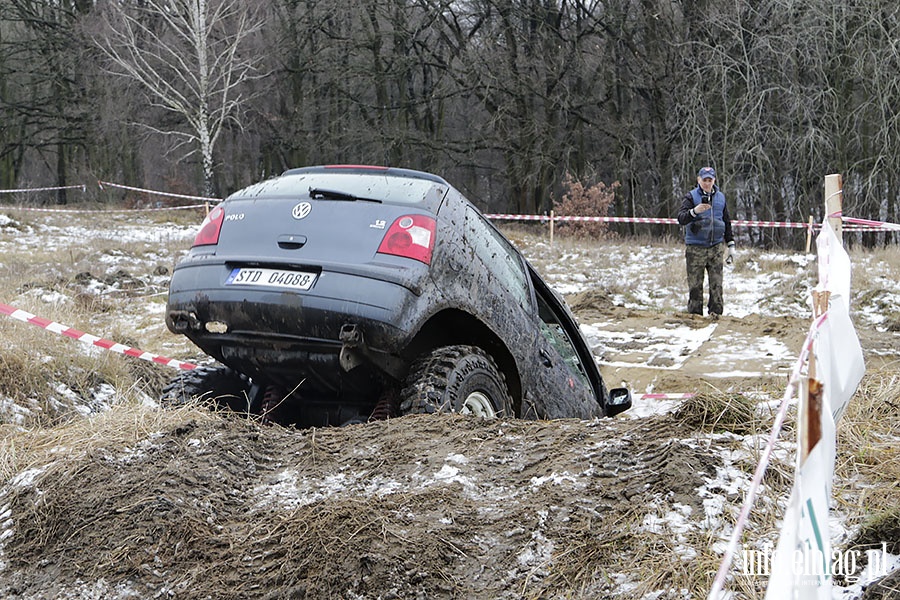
{"points": [[887, 588], [589, 300], [417, 507]]}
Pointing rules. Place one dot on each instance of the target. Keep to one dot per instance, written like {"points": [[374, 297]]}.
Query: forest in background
{"points": [[503, 98]]}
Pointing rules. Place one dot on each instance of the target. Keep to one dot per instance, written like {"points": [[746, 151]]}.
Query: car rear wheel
{"points": [[460, 379], [218, 386]]}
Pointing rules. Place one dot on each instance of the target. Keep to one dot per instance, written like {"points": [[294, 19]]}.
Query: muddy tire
{"points": [[460, 379], [216, 386]]}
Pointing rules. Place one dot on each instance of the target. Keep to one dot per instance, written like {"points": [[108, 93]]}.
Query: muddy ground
{"points": [[720, 358], [418, 507]]}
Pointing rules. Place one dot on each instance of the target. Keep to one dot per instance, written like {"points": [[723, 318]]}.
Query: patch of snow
{"points": [[674, 522], [139, 452], [447, 473], [539, 551], [14, 413], [555, 479], [55, 298], [642, 408], [6, 530], [288, 490], [26, 478], [99, 399], [99, 590], [676, 343]]}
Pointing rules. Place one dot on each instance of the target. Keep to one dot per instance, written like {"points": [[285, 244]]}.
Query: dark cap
{"points": [[707, 172]]}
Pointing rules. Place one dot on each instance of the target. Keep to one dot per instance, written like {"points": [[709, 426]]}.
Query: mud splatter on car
{"points": [[341, 294]]}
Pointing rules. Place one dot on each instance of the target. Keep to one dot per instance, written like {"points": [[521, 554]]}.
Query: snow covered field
{"points": [[107, 496]]}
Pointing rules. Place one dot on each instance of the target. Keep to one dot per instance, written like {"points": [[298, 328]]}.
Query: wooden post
{"points": [[809, 231], [551, 228], [811, 426], [810, 413], [834, 200]]}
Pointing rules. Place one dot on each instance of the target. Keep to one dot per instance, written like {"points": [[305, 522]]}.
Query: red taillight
{"points": [[411, 236], [210, 228]]}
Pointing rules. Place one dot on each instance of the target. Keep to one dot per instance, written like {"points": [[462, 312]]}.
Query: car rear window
{"points": [[385, 188]]}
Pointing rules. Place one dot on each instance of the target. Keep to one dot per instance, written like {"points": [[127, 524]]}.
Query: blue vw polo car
{"points": [[342, 294]]}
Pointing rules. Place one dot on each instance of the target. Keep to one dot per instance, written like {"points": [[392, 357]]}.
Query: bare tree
{"points": [[188, 55], [44, 108], [530, 65]]}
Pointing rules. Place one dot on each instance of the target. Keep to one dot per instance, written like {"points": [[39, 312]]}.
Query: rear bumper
{"points": [[232, 320]]}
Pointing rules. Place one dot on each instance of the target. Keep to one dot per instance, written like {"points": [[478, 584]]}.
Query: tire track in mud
{"points": [[435, 506], [678, 352]]}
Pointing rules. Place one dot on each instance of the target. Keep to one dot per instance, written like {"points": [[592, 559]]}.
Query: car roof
{"points": [[368, 170], [383, 184]]}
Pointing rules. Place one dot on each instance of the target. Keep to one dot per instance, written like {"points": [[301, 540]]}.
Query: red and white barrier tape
{"points": [[683, 396], [521, 217], [155, 192], [867, 224], [853, 224], [81, 187], [89, 339], [762, 465], [90, 210], [101, 183]]}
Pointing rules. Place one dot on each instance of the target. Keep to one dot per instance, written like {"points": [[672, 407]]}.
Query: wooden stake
{"points": [[551, 228], [811, 398], [811, 424], [809, 234], [820, 303], [834, 200]]}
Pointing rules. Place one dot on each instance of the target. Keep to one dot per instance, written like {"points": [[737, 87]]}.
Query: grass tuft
{"points": [[881, 527], [867, 470], [719, 412]]}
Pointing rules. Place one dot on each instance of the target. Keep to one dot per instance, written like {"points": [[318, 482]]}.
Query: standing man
{"points": [[707, 230]]}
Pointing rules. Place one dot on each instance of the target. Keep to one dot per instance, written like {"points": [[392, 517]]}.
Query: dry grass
{"points": [[868, 461], [53, 447], [38, 368], [673, 274], [880, 530], [871, 266], [101, 286]]}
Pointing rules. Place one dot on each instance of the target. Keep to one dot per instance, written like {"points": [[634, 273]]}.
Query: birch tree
{"points": [[192, 59]]}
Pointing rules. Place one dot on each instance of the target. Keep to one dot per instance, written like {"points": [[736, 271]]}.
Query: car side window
{"points": [[555, 334], [499, 256]]}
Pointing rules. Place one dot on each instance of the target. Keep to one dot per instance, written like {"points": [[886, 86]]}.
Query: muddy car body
{"points": [[339, 294]]}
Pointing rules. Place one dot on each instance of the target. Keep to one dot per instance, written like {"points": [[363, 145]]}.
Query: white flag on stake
{"points": [[802, 564]]}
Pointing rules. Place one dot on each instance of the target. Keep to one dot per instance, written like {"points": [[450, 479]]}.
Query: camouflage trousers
{"points": [[704, 261]]}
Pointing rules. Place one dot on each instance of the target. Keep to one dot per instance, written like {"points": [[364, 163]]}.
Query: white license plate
{"points": [[295, 280]]}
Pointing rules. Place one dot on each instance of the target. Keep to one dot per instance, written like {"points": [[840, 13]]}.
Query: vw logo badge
{"points": [[301, 210]]}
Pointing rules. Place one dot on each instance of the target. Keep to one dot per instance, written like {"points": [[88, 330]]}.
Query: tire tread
{"points": [[426, 386]]}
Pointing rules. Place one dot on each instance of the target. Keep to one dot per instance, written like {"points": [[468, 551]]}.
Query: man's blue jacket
{"points": [[707, 228]]}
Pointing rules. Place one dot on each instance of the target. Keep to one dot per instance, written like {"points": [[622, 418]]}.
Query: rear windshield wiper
{"points": [[323, 194]]}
